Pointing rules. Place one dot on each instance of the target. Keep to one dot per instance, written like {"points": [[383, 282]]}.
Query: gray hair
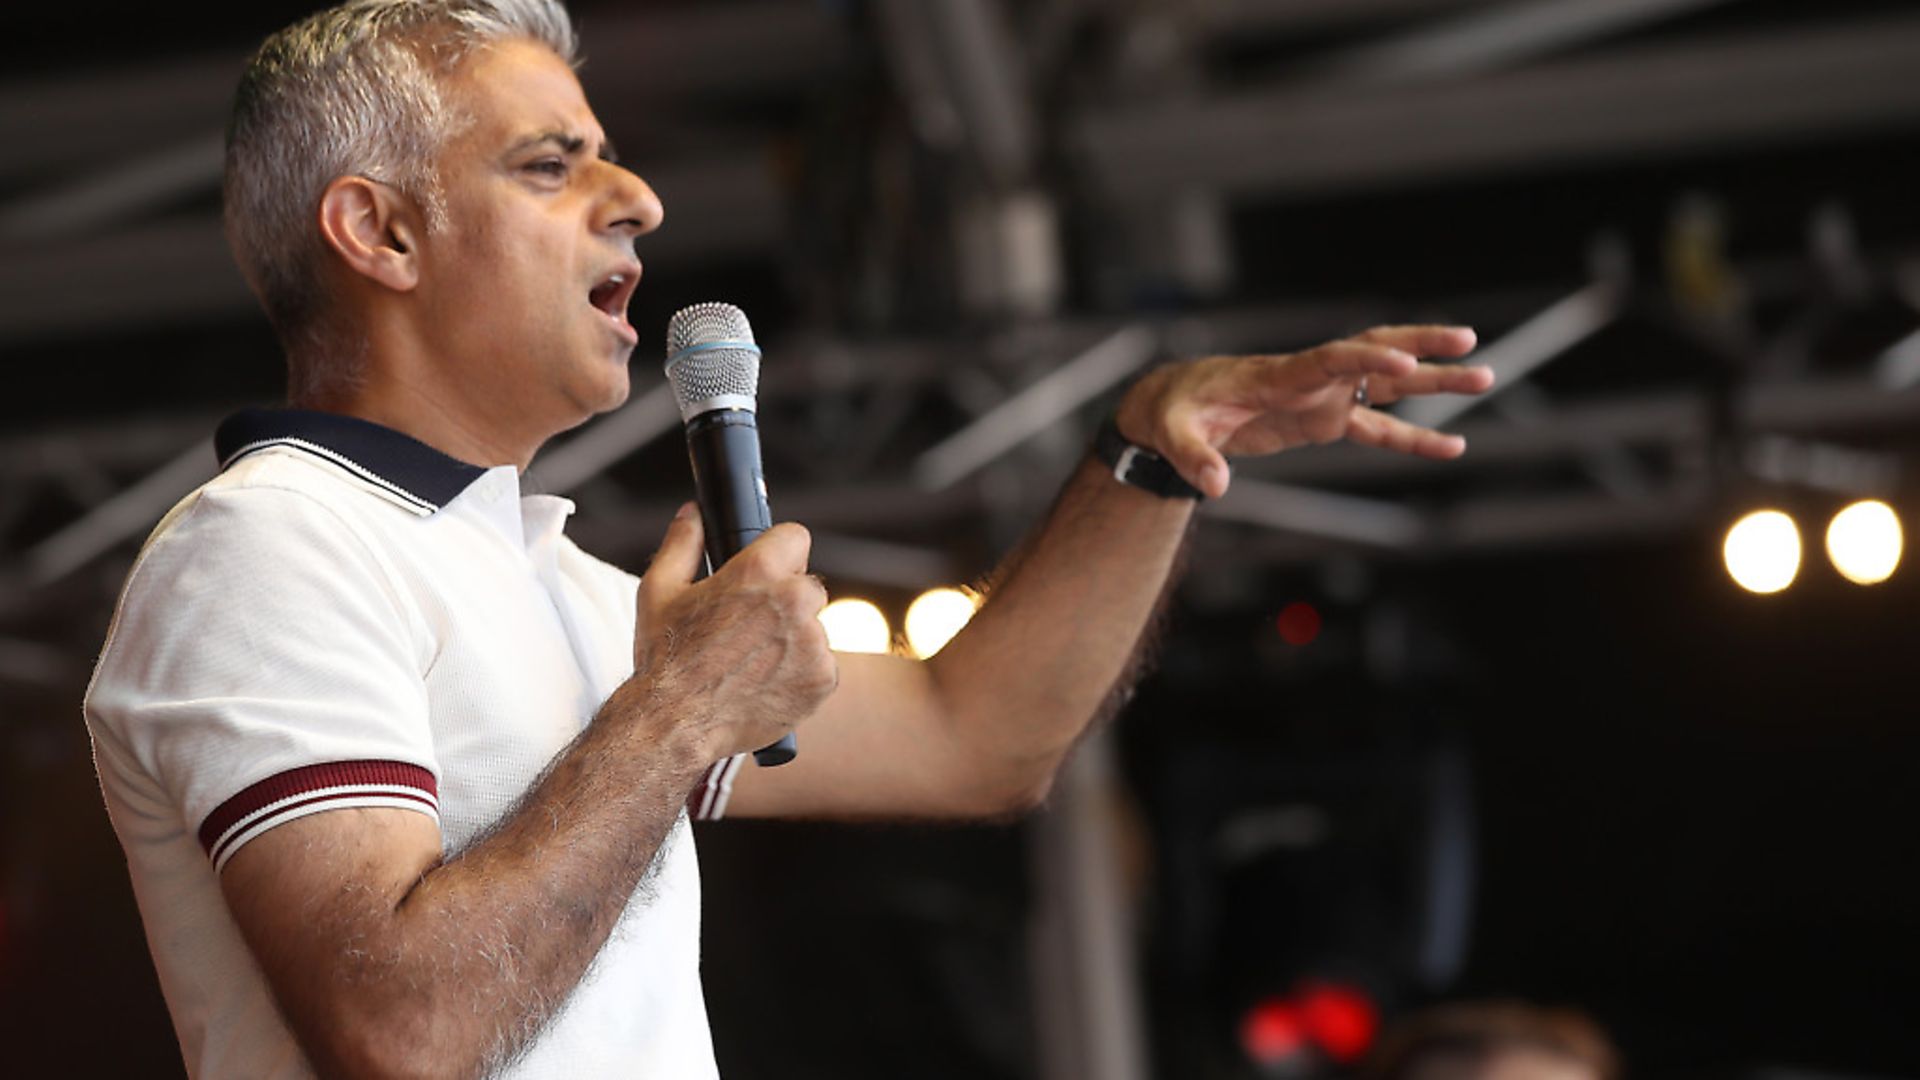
{"points": [[355, 90]]}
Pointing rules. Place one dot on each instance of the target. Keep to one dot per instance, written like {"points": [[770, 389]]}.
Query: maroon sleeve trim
{"points": [[708, 800], [702, 792], [298, 789]]}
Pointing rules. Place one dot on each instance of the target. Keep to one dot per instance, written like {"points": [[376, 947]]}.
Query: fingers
{"points": [[747, 642], [1192, 456], [682, 554], [1447, 342], [1195, 413], [1395, 350], [810, 597], [1353, 358], [1371, 428], [780, 551], [1431, 379]]}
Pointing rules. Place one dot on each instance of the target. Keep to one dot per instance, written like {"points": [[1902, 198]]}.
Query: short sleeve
{"points": [[262, 666]]}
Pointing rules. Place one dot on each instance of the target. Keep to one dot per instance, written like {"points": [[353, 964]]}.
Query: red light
{"points": [[1340, 1019], [1298, 623], [1272, 1032]]}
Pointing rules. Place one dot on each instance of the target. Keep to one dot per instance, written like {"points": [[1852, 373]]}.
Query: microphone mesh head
{"points": [[712, 360]]}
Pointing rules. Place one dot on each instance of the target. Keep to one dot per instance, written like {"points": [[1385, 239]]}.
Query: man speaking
{"points": [[403, 776]]}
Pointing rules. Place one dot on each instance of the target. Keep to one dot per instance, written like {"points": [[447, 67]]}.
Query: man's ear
{"points": [[374, 230]]}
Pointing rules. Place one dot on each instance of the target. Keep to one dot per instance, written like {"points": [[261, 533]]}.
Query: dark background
{"points": [[1691, 808]]}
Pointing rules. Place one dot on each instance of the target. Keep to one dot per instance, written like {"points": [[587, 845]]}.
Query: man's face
{"points": [[525, 290]]}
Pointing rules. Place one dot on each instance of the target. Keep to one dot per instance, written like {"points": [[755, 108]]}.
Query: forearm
{"points": [[1067, 619], [1060, 631], [454, 972], [979, 729]]}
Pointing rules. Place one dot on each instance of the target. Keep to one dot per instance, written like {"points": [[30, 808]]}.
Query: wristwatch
{"points": [[1140, 467]]}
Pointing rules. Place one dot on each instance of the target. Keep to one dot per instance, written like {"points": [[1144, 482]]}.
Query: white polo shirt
{"points": [[345, 617]]}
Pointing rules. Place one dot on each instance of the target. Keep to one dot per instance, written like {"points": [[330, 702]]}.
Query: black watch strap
{"points": [[1139, 466]]}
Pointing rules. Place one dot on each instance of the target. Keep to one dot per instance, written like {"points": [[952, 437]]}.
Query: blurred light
{"points": [[856, 626], [935, 616], [1298, 623], [1864, 542], [1340, 1019], [1273, 1032], [1762, 551]]}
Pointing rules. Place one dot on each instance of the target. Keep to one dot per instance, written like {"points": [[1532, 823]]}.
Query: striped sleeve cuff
{"points": [[709, 799], [298, 792]]}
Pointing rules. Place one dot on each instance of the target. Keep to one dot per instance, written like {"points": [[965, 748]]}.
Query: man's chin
{"points": [[618, 398], [603, 399]]}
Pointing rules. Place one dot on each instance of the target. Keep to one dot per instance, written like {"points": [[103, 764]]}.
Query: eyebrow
{"points": [[568, 143]]}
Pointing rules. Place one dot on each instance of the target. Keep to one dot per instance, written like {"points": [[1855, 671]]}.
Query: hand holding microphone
{"points": [[736, 660], [713, 365]]}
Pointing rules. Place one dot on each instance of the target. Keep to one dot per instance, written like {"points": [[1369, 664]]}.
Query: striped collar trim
{"points": [[416, 475]]}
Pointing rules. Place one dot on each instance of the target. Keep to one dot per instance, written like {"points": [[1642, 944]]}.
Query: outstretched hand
{"points": [[1197, 413]]}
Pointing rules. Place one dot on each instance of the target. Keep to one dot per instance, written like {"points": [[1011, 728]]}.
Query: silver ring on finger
{"points": [[1360, 397]]}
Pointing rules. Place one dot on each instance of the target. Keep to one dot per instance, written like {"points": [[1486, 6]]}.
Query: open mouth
{"points": [[610, 296]]}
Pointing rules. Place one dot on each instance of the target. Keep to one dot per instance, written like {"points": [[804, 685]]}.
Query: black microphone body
{"points": [[724, 446], [714, 367]]}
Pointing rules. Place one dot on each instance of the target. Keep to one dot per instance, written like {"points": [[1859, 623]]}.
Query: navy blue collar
{"points": [[413, 472]]}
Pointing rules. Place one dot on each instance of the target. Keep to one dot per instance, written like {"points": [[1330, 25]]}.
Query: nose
{"points": [[631, 207]]}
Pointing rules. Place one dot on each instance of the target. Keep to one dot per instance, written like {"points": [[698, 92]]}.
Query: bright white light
{"points": [[1864, 542], [935, 616], [1763, 551], [856, 626]]}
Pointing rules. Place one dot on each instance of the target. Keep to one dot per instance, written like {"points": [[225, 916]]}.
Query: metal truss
{"points": [[916, 456], [1296, 140]]}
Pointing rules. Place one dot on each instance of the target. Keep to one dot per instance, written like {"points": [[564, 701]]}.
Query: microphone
{"points": [[713, 366]]}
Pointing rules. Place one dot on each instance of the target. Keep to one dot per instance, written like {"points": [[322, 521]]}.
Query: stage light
{"points": [[856, 626], [1329, 1020], [935, 616], [1340, 1019], [1864, 542], [1298, 623], [1272, 1033], [1762, 551]]}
